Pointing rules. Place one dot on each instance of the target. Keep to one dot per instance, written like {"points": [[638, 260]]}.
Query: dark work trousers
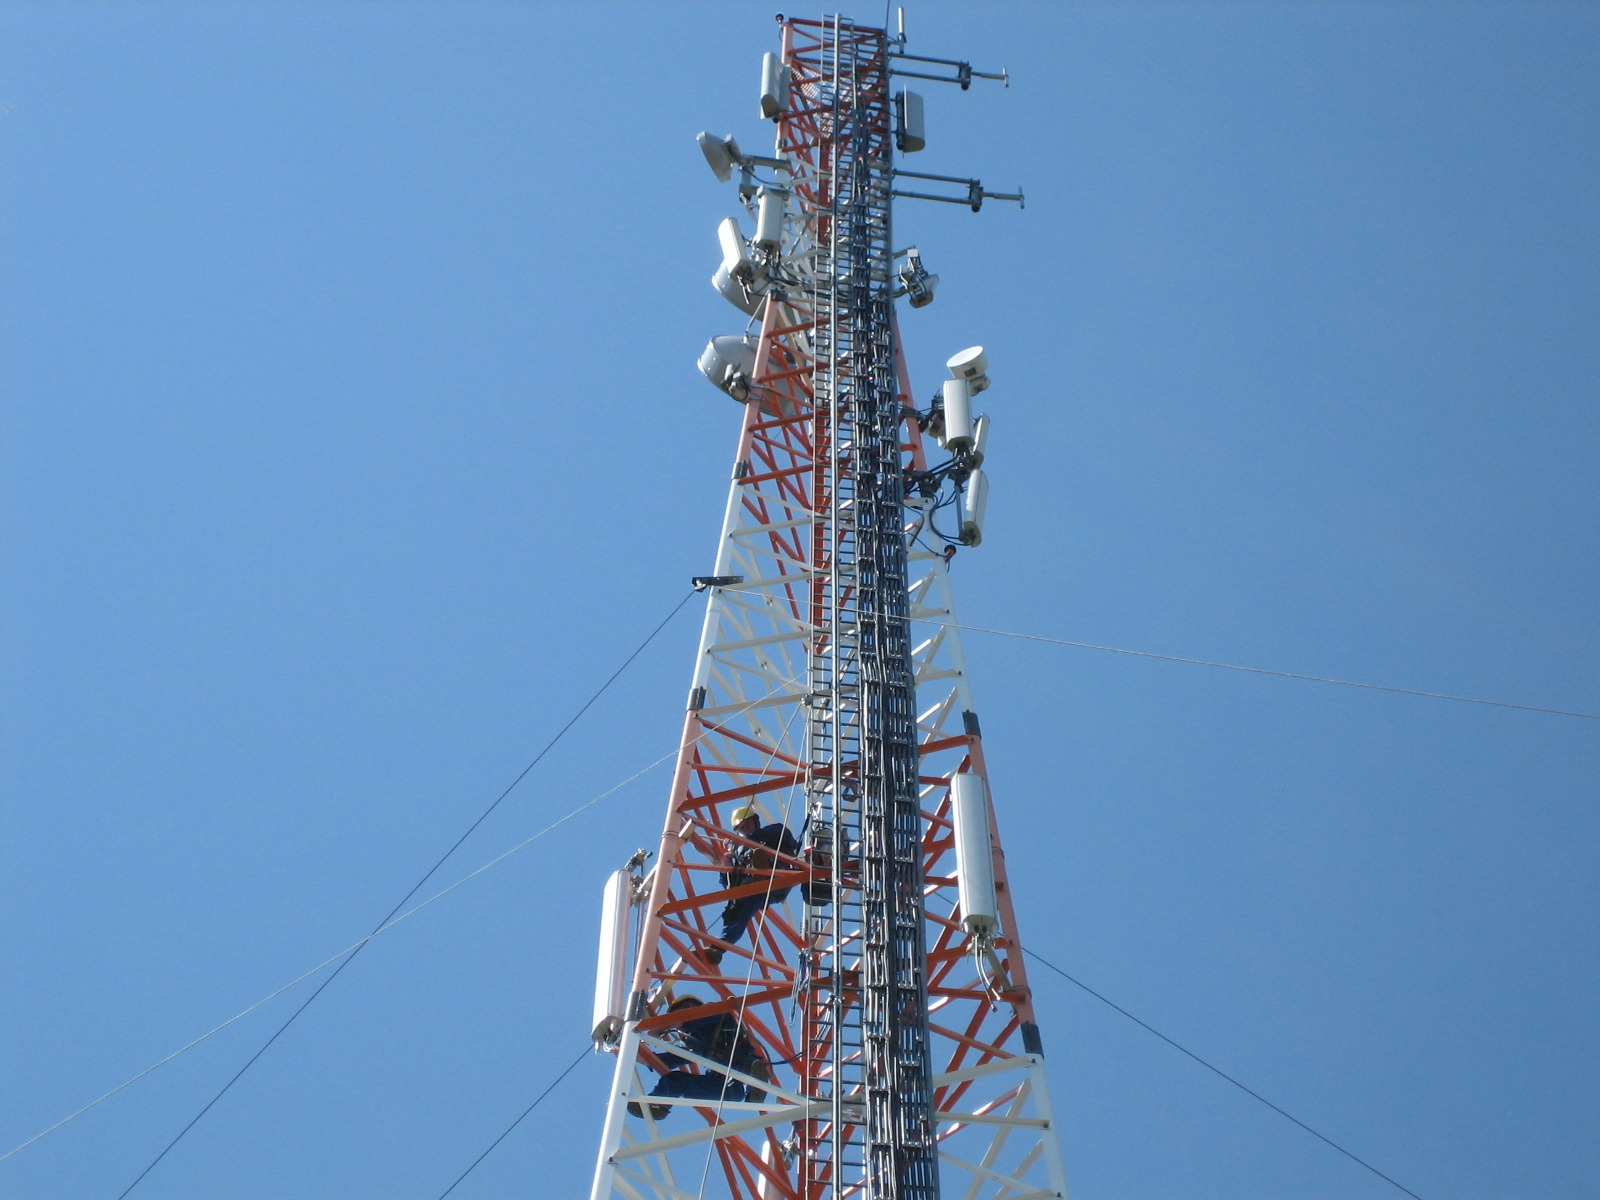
{"points": [[736, 915]]}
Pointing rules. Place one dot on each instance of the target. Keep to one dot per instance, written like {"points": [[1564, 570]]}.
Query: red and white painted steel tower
{"points": [[841, 1009]]}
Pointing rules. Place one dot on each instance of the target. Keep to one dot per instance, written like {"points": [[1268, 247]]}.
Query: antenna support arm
{"points": [[973, 199], [964, 73]]}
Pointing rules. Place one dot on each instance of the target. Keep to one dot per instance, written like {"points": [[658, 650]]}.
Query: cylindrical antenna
{"points": [[969, 814]]}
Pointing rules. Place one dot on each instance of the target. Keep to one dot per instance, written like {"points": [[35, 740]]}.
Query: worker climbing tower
{"points": [[814, 987]]}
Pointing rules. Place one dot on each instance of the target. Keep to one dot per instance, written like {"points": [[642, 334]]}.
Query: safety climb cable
{"points": [[1218, 1071], [582, 1054]]}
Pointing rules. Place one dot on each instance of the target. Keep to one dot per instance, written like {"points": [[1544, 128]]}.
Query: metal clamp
{"points": [[701, 582]]}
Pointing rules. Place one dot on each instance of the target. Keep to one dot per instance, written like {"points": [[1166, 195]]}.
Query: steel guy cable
{"points": [[1218, 1071]]}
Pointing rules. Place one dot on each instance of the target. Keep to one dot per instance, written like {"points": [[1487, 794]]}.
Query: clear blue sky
{"points": [[352, 435]]}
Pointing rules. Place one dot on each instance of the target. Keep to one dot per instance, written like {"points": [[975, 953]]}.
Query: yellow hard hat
{"points": [[742, 814]]}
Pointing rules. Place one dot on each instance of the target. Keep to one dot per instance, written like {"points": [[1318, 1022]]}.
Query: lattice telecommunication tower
{"points": [[817, 989]]}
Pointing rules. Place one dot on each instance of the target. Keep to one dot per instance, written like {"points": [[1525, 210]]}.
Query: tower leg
{"points": [[1052, 1132], [605, 1168]]}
